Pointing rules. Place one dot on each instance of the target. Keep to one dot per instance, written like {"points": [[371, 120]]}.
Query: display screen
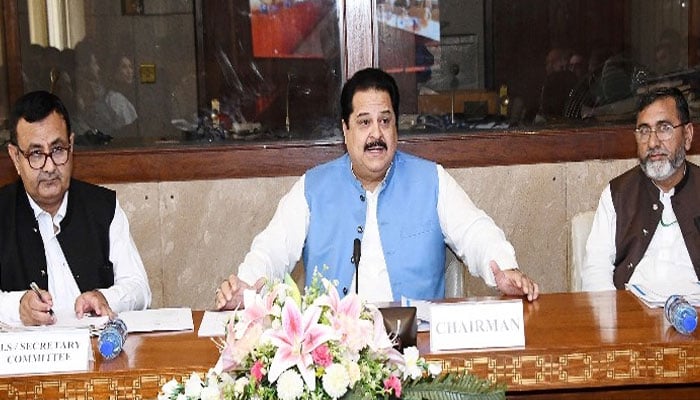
{"points": [[421, 18], [292, 29]]}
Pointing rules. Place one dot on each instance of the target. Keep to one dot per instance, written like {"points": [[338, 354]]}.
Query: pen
{"points": [[35, 288]]}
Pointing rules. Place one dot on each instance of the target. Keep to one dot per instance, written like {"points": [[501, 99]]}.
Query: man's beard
{"points": [[662, 169]]}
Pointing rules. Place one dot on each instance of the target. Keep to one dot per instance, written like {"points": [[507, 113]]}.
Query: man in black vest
{"points": [[647, 227], [69, 238]]}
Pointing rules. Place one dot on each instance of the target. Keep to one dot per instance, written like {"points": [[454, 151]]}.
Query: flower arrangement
{"points": [[288, 346]]}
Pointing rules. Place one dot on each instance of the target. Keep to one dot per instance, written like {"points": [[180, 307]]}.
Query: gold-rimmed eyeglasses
{"points": [[37, 158], [664, 131]]}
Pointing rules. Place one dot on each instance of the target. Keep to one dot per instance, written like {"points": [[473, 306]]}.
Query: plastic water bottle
{"points": [[111, 339], [681, 314]]}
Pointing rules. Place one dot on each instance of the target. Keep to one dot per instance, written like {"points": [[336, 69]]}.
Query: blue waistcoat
{"points": [[409, 228]]}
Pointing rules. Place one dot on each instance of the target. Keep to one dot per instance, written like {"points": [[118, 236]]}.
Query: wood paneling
{"points": [[291, 159]]}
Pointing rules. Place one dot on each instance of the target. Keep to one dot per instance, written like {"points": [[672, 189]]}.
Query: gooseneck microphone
{"points": [[356, 261]]}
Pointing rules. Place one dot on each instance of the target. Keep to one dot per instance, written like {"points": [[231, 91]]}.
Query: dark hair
{"points": [[35, 106], [647, 98], [366, 79]]}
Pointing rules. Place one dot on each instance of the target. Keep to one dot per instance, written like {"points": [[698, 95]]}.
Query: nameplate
{"points": [[45, 350], [477, 325]]}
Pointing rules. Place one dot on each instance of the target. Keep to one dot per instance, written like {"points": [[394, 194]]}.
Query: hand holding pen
{"points": [[36, 311], [36, 290]]}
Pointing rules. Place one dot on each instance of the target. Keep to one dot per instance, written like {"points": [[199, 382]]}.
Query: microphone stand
{"points": [[356, 260]]}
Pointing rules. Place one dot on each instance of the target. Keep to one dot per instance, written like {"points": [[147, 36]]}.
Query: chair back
{"points": [[455, 282], [580, 229]]}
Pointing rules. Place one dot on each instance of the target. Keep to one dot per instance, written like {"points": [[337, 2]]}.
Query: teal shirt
{"points": [[409, 227]]}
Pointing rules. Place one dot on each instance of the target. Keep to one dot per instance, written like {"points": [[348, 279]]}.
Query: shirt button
{"points": [[362, 197], [630, 265], [359, 229], [345, 290], [645, 232], [655, 207]]}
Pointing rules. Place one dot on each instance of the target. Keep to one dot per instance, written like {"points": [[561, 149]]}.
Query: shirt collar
{"points": [[384, 179], [59, 214]]}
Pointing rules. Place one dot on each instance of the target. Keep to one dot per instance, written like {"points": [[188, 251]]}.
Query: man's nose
{"points": [[49, 165], [653, 141]]}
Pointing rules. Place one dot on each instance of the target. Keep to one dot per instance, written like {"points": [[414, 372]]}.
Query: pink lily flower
{"points": [[345, 317], [298, 337], [257, 308]]}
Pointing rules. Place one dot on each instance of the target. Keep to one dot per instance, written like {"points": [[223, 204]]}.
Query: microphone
{"points": [[356, 261]]}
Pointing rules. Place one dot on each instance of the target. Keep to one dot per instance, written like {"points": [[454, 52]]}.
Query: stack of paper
{"points": [[657, 296], [65, 319], [158, 319], [422, 312], [214, 323]]}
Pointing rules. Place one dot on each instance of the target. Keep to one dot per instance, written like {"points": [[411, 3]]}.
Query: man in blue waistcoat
{"points": [[400, 210], [67, 240]]}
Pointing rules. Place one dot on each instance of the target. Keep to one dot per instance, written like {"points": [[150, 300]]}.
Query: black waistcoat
{"points": [[638, 210], [84, 238]]}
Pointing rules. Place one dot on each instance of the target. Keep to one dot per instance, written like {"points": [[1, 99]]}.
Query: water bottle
{"points": [[681, 314], [111, 339]]}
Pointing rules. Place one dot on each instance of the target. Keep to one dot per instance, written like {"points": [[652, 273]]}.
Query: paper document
{"points": [[214, 323], [657, 296], [422, 312], [158, 319], [65, 319]]}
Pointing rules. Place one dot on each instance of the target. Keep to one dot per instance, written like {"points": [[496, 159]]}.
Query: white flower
{"points": [[226, 379], [434, 369], [210, 392], [193, 386], [411, 368], [289, 385], [182, 396], [336, 380], [354, 373], [276, 310], [212, 377], [170, 387], [240, 385]]}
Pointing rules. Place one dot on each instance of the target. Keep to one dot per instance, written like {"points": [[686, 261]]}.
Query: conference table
{"points": [[605, 345]]}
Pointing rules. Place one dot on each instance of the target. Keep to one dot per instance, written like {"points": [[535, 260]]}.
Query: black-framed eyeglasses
{"points": [[664, 131], [37, 158]]}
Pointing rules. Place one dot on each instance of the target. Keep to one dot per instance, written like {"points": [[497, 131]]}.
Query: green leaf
{"points": [[293, 289], [453, 386]]}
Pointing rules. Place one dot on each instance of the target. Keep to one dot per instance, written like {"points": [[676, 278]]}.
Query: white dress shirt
{"points": [[666, 259], [130, 290], [467, 229]]}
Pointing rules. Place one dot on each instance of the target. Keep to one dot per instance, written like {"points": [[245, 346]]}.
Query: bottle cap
{"points": [[690, 322], [106, 348]]}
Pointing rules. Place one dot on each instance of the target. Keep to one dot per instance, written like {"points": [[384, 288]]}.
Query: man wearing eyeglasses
{"points": [[68, 239], [646, 228]]}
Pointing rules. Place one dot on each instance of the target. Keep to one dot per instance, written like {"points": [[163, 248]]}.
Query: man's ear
{"points": [[345, 131], [688, 135], [13, 152]]}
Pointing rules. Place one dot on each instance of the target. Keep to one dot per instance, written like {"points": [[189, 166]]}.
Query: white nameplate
{"points": [[45, 350], [477, 325]]}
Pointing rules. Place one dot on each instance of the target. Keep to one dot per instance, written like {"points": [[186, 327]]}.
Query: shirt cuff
{"points": [[10, 307]]}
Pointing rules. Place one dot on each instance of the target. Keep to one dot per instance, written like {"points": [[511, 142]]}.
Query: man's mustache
{"points": [[48, 177], [376, 143], [655, 153]]}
